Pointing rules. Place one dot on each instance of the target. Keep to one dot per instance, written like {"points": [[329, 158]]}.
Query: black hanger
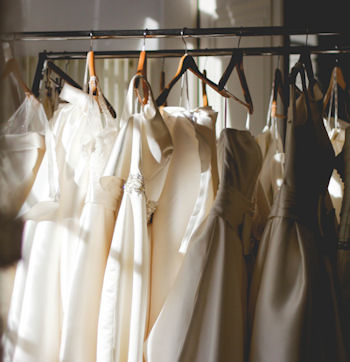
{"points": [[63, 75], [236, 61], [278, 89], [187, 63]]}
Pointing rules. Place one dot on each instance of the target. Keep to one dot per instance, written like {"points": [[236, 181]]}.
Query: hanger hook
{"points": [[183, 39], [239, 39], [144, 39], [336, 57], [307, 35], [91, 41]]}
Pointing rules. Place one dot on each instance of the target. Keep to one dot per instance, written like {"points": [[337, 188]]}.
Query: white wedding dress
{"points": [[52, 210], [22, 147], [141, 154], [187, 197]]}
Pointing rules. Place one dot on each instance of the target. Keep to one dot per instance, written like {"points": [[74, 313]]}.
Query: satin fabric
{"points": [[344, 242], [52, 211], [182, 210], [125, 294], [293, 306], [271, 174], [204, 317]]}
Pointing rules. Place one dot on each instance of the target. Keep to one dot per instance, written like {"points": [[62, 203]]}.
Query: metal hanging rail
{"points": [[171, 33], [173, 53]]}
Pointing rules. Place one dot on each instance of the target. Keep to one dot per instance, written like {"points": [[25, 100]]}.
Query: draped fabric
{"points": [[52, 210], [206, 308], [293, 309], [124, 305], [148, 238], [181, 211]]}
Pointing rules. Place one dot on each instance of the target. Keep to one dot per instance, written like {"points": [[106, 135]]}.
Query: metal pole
{"points": [[252, 51], [170, 33]]}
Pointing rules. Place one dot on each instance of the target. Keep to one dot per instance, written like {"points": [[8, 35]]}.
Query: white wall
{"points": [[49, 15]]}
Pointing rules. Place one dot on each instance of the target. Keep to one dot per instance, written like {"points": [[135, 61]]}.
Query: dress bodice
{"points": [[309, 159], [240, 158]]}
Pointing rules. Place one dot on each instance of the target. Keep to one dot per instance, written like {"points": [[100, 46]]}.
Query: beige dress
{"points": [[293, 309], [271, 174], [204, 317]]}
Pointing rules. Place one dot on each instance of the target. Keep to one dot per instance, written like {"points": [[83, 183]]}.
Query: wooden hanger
{"points": [[236, 61], [92, 70], [204, 91], [340, 81], [12, 67], [187, 63], [278, 89], [142, 71]]}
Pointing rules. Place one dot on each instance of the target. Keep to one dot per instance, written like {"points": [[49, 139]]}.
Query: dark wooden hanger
{"points": [[305, 59], [204, 91], [12, 67], [278, 89], [63, 75], [236, 61], [162, 81], [299, 68], [187, 63]]}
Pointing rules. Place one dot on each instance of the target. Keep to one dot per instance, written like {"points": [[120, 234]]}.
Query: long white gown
{"points": [[187, 197], [52, 210], [80, 320], [22, 147], [148, 147]]}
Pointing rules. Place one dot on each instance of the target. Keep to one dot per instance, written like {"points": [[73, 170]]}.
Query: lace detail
{"points": [[135, 183], [151, 207]]}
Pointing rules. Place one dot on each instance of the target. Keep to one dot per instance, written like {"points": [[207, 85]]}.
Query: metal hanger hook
{"points": [[239, 40], [336, 57], [307, 36], [144, 39], [91, 47], [183, 39]]}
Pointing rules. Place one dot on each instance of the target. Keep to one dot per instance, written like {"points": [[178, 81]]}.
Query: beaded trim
{"points": [[135, 183]]}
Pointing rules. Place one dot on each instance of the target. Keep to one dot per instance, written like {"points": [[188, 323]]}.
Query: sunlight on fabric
{"points": [[334, 188]]}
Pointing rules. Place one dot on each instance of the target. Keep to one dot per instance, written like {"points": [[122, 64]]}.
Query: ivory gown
{"points": [[147, 148], [181, 211], [52, 211]]}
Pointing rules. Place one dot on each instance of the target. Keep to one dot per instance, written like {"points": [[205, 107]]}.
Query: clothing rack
{"points": [[179, 33], [173, 33]]}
